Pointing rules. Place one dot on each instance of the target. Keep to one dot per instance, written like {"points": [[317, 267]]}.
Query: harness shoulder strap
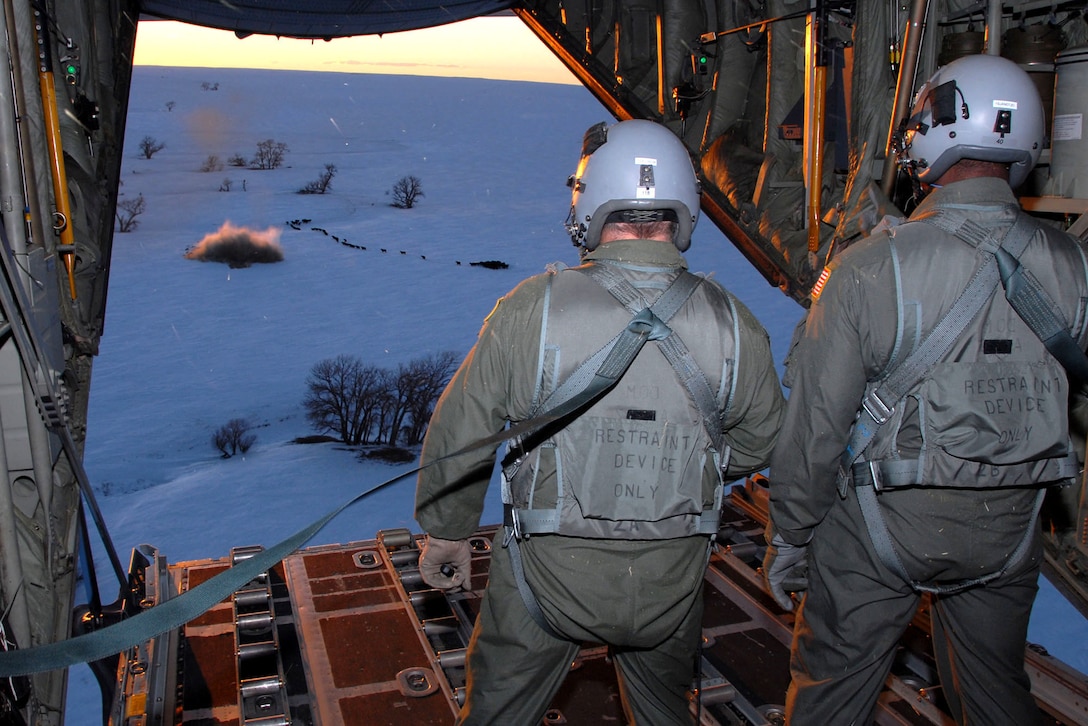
{"points": [[674, 349], [1032, 303]]}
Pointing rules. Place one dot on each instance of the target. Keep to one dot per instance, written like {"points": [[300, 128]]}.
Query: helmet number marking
{"points": [[645, 178]]}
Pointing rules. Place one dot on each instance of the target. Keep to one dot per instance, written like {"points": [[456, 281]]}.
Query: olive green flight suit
{"points": [[642, 598], [855, 608]]}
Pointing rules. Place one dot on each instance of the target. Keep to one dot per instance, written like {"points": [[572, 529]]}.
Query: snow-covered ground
{"points": [[190, 345]]}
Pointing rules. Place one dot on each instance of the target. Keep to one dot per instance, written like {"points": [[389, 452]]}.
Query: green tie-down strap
{"points": [[170, 614]]}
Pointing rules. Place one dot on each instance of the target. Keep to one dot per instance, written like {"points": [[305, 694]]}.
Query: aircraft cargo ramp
{"points": [[351, 635]]}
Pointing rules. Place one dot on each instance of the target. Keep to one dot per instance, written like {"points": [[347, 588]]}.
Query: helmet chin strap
{"points": [[918, 189], [910, 167], [576, 230]]}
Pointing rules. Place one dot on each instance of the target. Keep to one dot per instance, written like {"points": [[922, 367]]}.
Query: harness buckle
{"points": [[843, 480], [513, 524], [876, 475], [515, 455], [876, 408], [861, 474]]}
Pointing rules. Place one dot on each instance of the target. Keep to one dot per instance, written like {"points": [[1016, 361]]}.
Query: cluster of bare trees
{"points": [[270, 154], [367, 404], [233, 437], [406, 192]]}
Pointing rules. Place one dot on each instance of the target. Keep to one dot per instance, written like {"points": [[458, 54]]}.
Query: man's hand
{"points": [[446, 564], [778, 564]]}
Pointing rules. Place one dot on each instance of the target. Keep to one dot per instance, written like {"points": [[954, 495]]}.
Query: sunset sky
{"points": [[500, 48]]}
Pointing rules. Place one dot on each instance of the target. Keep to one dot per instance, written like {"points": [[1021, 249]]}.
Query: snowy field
{"points": [[190, 345]]}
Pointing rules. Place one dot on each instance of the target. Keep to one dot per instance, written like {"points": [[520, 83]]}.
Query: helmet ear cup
{"points": [[981, 107], [634, 166]]}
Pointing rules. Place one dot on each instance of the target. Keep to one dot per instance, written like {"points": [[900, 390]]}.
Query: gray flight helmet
{"points": [[633, 171], [981, 107]]}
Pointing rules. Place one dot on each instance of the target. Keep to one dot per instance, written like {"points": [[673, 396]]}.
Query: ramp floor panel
{"points": [[350, 635]]}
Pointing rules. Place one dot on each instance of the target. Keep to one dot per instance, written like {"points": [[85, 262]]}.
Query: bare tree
{"points": [[343, 395], [170, 105], [408, 398], [426, 378], [398, 404], [386, 406], [322, 184], [127, 212], [269, 154], [212, 163], [374, 399], [149, 146], [233, 437], [406, 192]]}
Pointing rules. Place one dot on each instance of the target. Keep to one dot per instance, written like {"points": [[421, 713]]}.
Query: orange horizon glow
{"points": [[496, 47]]}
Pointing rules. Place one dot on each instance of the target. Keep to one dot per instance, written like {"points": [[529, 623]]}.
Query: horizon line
{"points": [[488, 47]]}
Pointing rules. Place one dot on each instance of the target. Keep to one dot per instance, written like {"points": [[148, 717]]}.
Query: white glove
{"points": [[446, 564], [778, 564]]}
